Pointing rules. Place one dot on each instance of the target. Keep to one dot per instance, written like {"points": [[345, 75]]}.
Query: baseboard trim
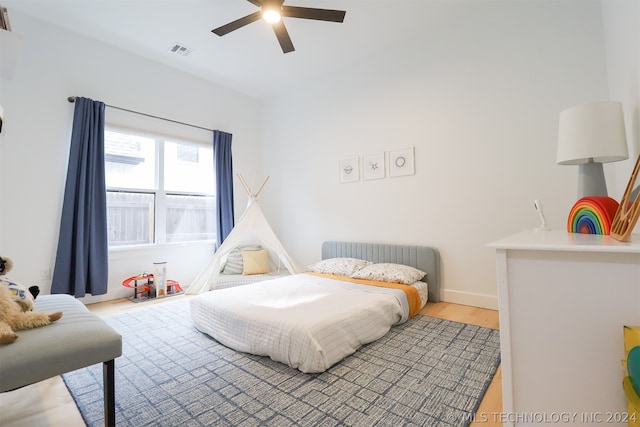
{"points": [[471, 298]]}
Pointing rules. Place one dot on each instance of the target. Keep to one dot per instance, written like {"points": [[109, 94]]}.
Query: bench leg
{"points": [[108, 378]]}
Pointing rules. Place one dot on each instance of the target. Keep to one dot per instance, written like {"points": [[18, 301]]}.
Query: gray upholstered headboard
{"points": [[424, 258]]}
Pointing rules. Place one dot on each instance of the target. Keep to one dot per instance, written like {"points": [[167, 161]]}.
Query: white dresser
{"points": [[564, 299]]}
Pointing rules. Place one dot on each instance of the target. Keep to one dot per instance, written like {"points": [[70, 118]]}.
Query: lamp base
{"points": [[591, 180]]}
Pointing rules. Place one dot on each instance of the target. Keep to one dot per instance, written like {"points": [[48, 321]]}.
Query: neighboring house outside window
{"points": [[159, 189]]}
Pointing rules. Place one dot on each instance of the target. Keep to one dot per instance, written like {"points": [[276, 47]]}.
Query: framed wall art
{"points": [[349, 171], [373, 166], [401, 162]]}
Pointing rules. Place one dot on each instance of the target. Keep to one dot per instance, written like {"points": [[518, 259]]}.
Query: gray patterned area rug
{"points": [[425, 372]]}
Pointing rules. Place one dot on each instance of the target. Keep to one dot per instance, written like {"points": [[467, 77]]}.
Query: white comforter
{"points": [[305, 321]]}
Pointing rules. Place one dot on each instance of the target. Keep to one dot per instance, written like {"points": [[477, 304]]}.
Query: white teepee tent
{"points": [[252, 228]]}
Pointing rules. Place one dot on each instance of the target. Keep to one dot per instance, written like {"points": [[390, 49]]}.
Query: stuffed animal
{"points": [[12, 316], [24, 297]]}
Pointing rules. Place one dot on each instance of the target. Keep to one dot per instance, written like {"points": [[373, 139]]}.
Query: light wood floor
{"points": [[49, 404]]}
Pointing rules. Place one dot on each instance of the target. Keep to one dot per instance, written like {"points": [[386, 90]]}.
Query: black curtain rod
{"points": [[72, 99]]}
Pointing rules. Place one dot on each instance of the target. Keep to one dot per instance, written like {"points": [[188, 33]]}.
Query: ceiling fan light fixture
{"points": [[271, 15], [272, 11]]}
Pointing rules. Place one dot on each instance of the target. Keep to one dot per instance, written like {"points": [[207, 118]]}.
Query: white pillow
{"points": [[339, 266], [392, 273]]}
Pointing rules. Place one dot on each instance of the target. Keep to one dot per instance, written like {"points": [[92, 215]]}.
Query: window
{"points": [[159, 190]]}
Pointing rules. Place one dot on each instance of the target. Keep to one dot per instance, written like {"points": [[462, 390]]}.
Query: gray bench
{"points": [[78, 340]]}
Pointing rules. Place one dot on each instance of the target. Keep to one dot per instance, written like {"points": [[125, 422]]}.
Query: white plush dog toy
{"points": [[16, 307]]}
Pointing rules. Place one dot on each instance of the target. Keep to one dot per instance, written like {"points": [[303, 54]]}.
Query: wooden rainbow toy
{"points": [[592, 215]]}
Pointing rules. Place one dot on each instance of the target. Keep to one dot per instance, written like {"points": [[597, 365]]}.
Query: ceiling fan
{"points": [[272, 11]]}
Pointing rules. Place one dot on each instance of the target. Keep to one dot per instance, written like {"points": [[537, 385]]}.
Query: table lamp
{"points": [[589, 135]]}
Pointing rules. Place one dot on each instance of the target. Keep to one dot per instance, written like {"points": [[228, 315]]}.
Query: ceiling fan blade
{"points": [[283, 37], [256, 2], [238, 23], [312, 13]]}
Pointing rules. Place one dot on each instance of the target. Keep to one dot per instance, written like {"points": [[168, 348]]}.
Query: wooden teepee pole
{"points": [[262, 186], [248, 190], [244, 185], [253, 183]]}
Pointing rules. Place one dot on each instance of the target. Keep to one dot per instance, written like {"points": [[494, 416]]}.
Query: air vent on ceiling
{"points": [[180, 49]]}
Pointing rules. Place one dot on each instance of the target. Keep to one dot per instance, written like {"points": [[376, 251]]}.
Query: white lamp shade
{"points": [[592, 132]]}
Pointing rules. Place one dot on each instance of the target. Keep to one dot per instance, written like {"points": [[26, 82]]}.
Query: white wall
{"points": [[622, 44], [478, 96], [54, 64]]}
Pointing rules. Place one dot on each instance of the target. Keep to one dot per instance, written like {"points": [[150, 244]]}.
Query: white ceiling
{"points": [[249, 59]]}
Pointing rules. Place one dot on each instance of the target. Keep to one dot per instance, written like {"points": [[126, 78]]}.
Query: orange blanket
{"points": [[413, 296]]}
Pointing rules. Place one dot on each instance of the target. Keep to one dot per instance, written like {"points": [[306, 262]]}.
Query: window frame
{"points": [[159, 193]]}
